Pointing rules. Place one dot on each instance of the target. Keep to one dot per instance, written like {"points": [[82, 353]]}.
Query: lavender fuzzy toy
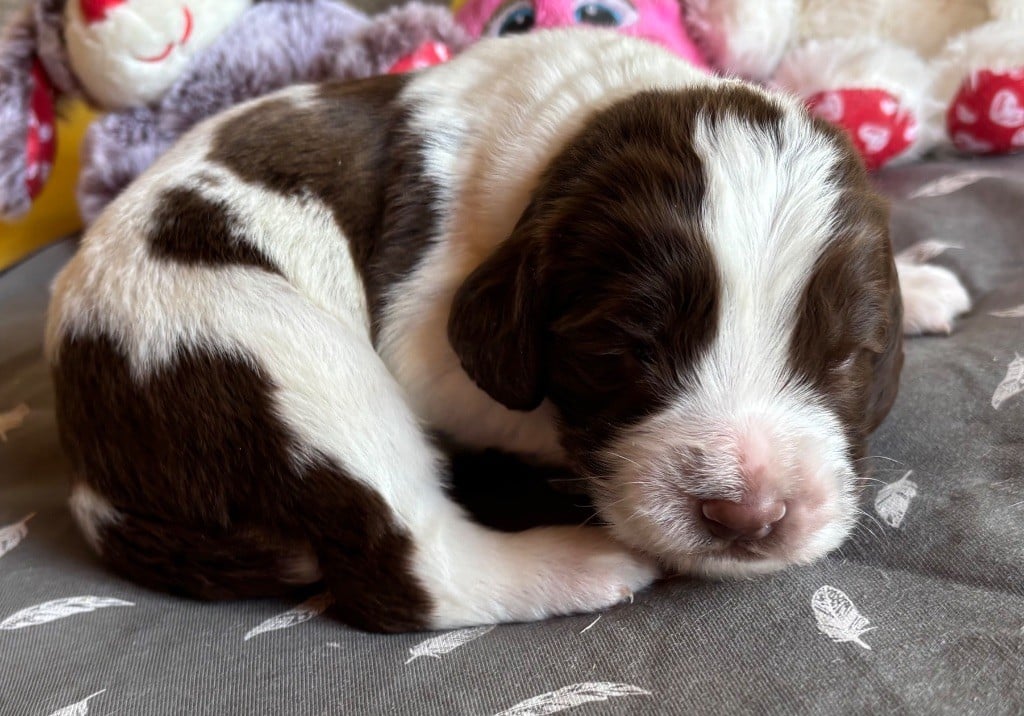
{"points": [[156, 67]]}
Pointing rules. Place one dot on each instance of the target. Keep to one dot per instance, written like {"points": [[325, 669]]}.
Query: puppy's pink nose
{"points": [[751, 519]]}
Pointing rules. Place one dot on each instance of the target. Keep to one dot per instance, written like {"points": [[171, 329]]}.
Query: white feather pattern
{"points": [[837, 617], [1015, 312], [924, 251], [949, 184], [570, 696], [12, 419], [12, 535], [449, 641], [80, 708], [893, 500], [1012, 384], [59, 609], [312, 607]]}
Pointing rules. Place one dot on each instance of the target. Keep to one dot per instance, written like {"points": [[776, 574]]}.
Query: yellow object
{"points": [[54, 214]]}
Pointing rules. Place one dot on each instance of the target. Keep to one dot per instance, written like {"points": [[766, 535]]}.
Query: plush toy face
{"points": [[657, 20], [129, 52]]}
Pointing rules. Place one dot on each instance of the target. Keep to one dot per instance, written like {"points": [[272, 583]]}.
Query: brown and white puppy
{"points": [[569, 245]]}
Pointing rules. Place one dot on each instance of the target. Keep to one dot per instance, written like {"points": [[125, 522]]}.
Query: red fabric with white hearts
{"points": [[41, 142], [880, 128], [987, 114], [426, 55]]}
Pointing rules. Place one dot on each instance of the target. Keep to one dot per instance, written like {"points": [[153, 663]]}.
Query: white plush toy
{"points": [[901, 76], [128, 54]]}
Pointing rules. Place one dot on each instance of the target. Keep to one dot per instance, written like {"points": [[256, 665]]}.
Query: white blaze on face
{"points": [[132, 52], [743, 423]]}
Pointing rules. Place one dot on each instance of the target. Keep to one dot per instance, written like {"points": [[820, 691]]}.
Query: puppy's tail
{"points": [[192, 560]]}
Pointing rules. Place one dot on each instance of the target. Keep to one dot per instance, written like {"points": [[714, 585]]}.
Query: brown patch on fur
{"points": [[194, 456], [350, 148], [848, 341], [191, 229], [607, 290]]}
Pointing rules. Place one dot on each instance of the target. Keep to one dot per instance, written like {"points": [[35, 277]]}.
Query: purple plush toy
{"points": [[156, 67]]}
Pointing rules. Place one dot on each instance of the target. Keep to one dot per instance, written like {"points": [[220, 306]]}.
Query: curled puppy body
{"points": [[678, 286]]}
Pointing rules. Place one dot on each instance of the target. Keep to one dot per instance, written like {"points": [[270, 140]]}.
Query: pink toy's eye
{"points": [[605, 13], [513, 18], [96, 10]]}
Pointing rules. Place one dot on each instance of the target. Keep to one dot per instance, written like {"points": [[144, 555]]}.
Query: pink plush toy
{"points": [[657, 20]]}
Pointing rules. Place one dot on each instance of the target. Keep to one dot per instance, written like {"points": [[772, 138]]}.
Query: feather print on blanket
{"points": [[893, 500], [12, 419], [953, 183], [449, 641], [1015, 312], [59, 609], [80, 708], [837, 617], [924, 251], [1012, 384], [570, 696], [312, 607], [12, 535]]}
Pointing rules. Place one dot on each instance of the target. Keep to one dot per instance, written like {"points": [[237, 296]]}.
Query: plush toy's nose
{"points": [[96, 10]]}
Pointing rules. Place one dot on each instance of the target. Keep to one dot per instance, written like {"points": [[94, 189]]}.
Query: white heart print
{"points": [[888, 106], [874, 136], [965, 114], [1006, 109], [971, 143], [831, 107]]}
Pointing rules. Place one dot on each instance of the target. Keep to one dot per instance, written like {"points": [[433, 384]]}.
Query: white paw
{"points": [[932, 297], [597, 572], [523, 576]]}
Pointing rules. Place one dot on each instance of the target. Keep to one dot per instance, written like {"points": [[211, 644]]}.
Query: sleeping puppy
{"points": [[677, 286]]}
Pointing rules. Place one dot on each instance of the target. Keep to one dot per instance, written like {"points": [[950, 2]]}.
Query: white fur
{"points": [[768, 219], [92, 512], [488, 134], [932, 298], [309, 331], [501, 130]]}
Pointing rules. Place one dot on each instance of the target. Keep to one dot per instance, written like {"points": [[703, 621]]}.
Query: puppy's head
{"points": [[704, 288]]}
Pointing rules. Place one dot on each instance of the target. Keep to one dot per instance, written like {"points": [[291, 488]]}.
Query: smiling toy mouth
{"points": [[185, 35]]}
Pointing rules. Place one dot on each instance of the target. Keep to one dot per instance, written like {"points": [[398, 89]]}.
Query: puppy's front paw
{"points": [[598, 572], [932, 296]]}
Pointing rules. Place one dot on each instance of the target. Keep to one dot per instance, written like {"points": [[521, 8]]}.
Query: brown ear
{"points": [[496, 324], [889, 363]]}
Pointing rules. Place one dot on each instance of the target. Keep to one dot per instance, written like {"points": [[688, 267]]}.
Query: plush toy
{"points": [[901, 76], [657, 20], [156, 67]]}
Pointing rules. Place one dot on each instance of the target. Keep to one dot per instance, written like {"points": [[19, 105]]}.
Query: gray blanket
{"points": [[921, 612]]}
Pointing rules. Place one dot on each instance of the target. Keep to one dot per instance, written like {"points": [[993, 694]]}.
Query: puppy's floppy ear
{"points": [[888, 364], [497, 325]]}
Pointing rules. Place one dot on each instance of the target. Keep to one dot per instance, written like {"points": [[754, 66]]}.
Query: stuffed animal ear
{"points": [[743, 37], [28, 139], [497, 323]]}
